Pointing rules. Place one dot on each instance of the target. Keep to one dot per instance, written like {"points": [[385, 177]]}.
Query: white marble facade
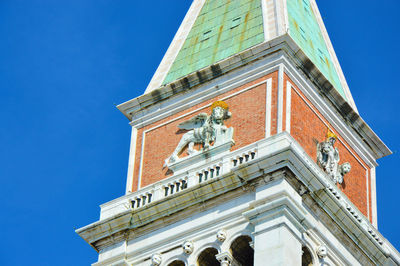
{"points": [[275, 237], [281, 207]]}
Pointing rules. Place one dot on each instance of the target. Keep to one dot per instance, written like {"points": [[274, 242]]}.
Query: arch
{"points": [[237, 234], [204, 246], [177, 258], [177, 263], [241, 250], [207, 257], [307, 257], [309, 245]]}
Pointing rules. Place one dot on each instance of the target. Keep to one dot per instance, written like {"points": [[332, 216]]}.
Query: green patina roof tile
{"points": [[306, 32], [223, 28]]}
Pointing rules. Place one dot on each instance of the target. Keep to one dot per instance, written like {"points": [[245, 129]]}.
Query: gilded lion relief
{"points": [[207, 130]]}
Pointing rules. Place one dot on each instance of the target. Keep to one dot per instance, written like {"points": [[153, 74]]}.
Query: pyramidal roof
{"points": [[213, 30]]}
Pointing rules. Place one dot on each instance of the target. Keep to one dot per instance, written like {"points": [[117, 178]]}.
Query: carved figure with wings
{"points": [[203, 129]]}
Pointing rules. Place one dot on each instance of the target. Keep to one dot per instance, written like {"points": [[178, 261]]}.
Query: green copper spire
{"points": [[214, 30], [223, 28], [304, 29]]}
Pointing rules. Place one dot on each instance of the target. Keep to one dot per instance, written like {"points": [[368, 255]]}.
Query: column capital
{"points": [[225, 258]]}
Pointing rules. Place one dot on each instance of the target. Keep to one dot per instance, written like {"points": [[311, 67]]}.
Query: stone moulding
{"points": [[208, 155], [187, 175], [134, 108], [274, 153]]}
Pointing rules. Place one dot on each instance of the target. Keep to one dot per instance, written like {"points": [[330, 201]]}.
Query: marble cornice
{"points": [[275, 154]]}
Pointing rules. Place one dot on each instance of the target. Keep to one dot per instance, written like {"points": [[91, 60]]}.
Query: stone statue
{"points": [[328, 158], [204, 129]]}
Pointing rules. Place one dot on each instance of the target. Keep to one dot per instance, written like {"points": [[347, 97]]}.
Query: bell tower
{"points": [[247, 149]]}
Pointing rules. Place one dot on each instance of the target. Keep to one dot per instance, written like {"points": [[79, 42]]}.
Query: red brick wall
{"points": [[309, 126], [248, 119], [248, 108]]}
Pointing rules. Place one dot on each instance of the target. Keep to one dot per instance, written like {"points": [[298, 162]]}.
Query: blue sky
{"points": [[64, 65]]}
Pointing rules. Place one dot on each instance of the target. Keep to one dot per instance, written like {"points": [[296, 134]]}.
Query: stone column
{"points": [[224, 258]]}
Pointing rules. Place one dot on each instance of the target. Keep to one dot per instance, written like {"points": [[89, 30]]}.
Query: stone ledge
{"points": [[282, 43], [105, 232]]}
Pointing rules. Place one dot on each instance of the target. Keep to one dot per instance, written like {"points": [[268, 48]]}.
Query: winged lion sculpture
{"points": [[204, 129]]}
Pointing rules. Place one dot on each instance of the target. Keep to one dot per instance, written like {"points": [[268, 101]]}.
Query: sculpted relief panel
{"points": [[207, 130], [162, 149], [328, 158]]}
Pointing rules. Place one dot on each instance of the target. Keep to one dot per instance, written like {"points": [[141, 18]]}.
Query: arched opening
{"points": [[242, 252], [306, 259], [177, 263], [207, 257]]}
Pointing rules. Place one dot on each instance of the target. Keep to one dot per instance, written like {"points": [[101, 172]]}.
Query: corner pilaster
{"points": [[277, 218]]}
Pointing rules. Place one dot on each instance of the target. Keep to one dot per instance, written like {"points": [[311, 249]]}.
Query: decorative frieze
{"points": [[356, 214], [175, 186], [209, 173], [142, 199], [244, 158]]}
